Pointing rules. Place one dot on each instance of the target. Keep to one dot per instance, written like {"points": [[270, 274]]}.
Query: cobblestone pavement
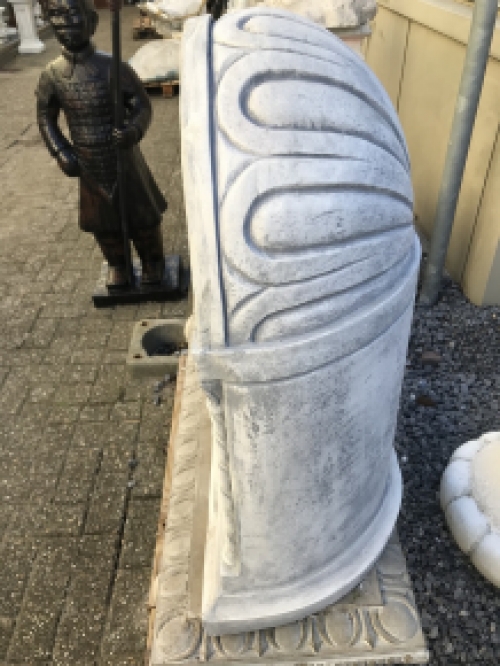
{"points": [[82, 447]]}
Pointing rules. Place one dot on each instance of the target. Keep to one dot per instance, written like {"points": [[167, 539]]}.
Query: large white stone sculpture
{"points": [[304, 263]]}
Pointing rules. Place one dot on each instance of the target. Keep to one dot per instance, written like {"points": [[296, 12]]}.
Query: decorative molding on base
{"points": [[377, 623]]}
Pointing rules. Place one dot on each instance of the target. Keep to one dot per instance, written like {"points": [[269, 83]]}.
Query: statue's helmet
{"points": [[74, 22]]}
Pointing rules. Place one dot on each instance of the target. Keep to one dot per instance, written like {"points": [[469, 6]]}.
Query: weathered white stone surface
{"points": [[304, 263], [470, 498], [157, 60], [25, 18], [377, 623]]}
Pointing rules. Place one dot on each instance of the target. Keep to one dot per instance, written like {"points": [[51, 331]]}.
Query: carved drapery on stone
{"points": [[213, 392]]}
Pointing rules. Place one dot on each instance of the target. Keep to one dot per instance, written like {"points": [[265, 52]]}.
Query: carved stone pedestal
{"points": [[376, 623]]}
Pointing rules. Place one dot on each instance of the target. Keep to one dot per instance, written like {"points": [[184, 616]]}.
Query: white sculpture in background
{"points": [[328, 13], [158, 60], [304, 262], [28, 33], [3, 25], [6, 32], [168, 16], [470, 499], [38, 15]]}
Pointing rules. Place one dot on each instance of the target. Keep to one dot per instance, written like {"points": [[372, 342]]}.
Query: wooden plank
{"points": [[167, 88]]}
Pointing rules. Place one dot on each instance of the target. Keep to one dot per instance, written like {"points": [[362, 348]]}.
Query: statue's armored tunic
{"points": [[80, 84]]}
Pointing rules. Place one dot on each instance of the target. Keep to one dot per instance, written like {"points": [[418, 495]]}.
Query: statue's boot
{"points": [[113, 251], [149, 246]]}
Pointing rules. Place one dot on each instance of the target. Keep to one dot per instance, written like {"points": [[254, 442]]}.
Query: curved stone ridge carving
{"points": [[304, 260], [329, 211]]}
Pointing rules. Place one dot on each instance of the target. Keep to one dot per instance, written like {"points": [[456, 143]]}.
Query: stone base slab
{"points": [[377, 623], [170, 288]]}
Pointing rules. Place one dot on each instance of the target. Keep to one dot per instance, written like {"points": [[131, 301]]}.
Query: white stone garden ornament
{"points": [[329, 13], [3, 26], [304, 262], [28, 33], [470, 498]]}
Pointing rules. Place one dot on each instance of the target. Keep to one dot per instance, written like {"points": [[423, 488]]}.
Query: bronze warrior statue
{"points": [[79, 83]]}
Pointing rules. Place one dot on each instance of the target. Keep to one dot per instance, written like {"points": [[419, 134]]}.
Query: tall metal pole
{"points": [[115, 6], [476, 58]]}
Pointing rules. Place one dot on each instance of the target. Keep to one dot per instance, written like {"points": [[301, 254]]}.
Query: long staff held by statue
{"points": [[115, 6]]}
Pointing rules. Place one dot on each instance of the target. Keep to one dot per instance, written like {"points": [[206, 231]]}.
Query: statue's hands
{"points": [[126, 137], [68, 162]]}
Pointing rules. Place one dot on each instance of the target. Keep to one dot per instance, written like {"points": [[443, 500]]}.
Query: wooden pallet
{"points": [[167, 88], [142, 28]]}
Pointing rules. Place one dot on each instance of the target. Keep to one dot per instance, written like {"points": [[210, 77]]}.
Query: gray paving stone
{"points": [[150, 472], [142, 521], [76, 374], [70, 415], [6, 631], [106, 511], [101, 549], [95, 412], [123, 660], [17, 556], [62, 519], [79, 634], [126, 411], [78, 475], [73, 394], [63, 414], [50, 574], [126, 629], [33, 637]]}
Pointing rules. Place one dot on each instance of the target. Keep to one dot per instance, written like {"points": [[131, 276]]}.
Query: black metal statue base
{"points": [[173, 286]]}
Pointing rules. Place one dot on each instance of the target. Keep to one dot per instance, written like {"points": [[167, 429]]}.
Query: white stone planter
{"points": [[304, 261], [25, 17]]}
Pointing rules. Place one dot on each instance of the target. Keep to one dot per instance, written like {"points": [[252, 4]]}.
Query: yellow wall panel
{"points": [[481, 280], [431, 78], [386, 50]]}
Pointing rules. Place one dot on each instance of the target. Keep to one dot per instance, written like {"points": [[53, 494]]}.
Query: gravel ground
{"points": [[444, 404]]}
